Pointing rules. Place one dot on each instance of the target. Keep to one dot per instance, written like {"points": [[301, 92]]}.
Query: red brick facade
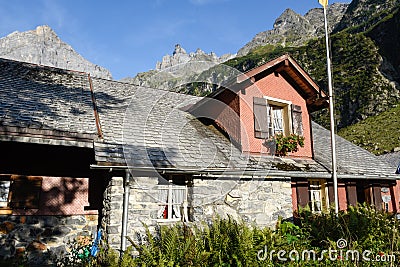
{"points": [[282, 81], [274, 86]]}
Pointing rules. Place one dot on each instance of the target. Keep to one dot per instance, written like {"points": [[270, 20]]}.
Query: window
{"points": [[19, 192], [273, 116], [173, 200], [318, 195], [276, 120], [4, 192]]}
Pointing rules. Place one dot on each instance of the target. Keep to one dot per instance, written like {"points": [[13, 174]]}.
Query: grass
{"points": [[379, 134]]}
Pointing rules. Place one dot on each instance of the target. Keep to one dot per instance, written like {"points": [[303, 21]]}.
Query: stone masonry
{"points": [[259, 202], [42, 238]]}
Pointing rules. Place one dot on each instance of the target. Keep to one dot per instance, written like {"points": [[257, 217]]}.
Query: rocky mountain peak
{"points": [[178, 50], [44, 30], [180, 56], [42, 46], [290, 21], [288, 18], [292, 29], [179, 68]]}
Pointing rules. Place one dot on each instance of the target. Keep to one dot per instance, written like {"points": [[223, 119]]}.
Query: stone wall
{"points": [[259, 202], [256, 202], [142, 208], [41, 238], [112, 211]]}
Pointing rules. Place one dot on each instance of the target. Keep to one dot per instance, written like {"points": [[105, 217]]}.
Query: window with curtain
{"points": [[318, 195], [173, 201], [276, 116], [277, 119]]}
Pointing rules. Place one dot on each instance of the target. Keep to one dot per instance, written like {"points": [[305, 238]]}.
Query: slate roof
{"points": [[351, 159], [393, 158], [46, 102], [146, 127], [155, 130]]}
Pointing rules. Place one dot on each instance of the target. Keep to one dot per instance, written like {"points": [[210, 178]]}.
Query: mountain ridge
{"points": [[178, 69], [43, 46], [293, 29]]}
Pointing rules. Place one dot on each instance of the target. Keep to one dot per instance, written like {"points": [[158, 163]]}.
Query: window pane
{"points": [[278, 119], [172, 208], [162, 199], [317, 195], [4, 189], [178, 197]]}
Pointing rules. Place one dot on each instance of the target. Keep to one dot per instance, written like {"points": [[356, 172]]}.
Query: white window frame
{"points": [[4, 193], [318, 187], [286, 114], [169, 204]]}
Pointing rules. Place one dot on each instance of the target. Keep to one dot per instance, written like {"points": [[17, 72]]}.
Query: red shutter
{"points": [[377, 197], [351, 191], [303, 197], [297, 120], [260, 117]]}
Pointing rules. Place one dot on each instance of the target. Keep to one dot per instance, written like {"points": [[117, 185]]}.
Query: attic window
{"points": [[277, 119], [273, 116]]}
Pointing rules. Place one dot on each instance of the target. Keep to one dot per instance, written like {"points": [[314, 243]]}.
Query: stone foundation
{"points": [[36, 237]]}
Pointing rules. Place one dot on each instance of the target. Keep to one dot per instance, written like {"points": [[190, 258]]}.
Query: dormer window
{"points": [[276, 116], [277, 120]]}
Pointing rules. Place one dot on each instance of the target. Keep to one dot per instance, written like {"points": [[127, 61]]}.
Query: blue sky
{"points": [[128, 37]]}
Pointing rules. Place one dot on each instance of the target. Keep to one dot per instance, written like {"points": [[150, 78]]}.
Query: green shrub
{"points": [[226, 242]]}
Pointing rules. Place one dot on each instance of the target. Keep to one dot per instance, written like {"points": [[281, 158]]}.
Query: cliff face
{"points": [[386, 36], [362, 14], [180, 56], [178, 69], [43, 46], [292, 29]]}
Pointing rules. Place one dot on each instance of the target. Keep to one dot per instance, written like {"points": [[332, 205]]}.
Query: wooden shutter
{"points": [[377, 197], [260, 117], [331, 192], [303, 197], [25, 192], [351, 191], [297, 120]]}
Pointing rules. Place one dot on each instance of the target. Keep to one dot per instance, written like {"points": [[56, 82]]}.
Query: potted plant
{"points": [[287, 144]]}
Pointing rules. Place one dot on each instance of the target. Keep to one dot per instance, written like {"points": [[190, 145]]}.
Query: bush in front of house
{"points": [[226, 242]]}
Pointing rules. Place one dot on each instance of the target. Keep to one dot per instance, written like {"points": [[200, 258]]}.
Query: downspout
{"points": [[125, 211]]}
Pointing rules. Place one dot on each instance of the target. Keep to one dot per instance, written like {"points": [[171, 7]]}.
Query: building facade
{"points": [[82, 153]]}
